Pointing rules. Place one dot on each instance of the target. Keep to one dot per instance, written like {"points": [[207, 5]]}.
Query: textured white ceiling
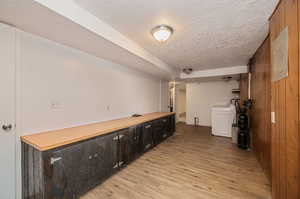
{"points": [[47, 23], [208, 33]]}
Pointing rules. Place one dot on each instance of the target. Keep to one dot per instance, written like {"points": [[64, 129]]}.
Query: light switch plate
{"points": [[273, 117], [55, 104]]}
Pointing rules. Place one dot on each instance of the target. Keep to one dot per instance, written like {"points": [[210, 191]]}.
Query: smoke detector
{"points": [[187, 70]]}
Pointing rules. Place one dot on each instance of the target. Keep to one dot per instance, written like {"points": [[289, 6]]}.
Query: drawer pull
{"points": [[148, 146], [53, 160], [164, 135], [148, 126]]}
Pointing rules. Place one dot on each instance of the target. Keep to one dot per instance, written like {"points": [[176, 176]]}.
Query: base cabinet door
{"points": [[134, 143], [138, 140], [124, 149], [111, 153], [98, 171], [72, 171], [165, 124], [66, 173], [147, 136], [157, 131], [172, 124]]}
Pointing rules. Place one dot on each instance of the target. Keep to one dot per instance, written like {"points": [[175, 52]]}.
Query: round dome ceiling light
{"points": [[162, 33]]}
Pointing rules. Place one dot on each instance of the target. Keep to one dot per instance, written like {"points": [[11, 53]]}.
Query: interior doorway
{"points": [[180, 101]]}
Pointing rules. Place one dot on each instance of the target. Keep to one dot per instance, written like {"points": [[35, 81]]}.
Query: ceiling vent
{"points": [[187, 70]]}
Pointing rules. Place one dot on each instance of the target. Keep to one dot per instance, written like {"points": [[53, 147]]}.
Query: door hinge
{"points": [[148, 146], [116, 138], [53, 160], [121, 163], [116, 165]]}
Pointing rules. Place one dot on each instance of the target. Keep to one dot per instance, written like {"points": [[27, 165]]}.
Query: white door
{"points": [[7, 112]]}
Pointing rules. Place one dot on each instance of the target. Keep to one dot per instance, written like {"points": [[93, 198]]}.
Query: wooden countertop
{"points": [[53, 139]]}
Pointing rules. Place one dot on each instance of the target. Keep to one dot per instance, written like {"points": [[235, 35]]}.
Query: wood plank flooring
{"points": [[190, 165]]}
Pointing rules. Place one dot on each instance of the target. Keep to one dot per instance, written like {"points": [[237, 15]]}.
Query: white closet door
{"points": [[7, 112]]}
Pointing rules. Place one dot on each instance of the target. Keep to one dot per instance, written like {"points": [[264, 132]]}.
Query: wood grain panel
{"points": [[53, 139], [285, 104], [244, 81], [261, 111], [292, 108]]}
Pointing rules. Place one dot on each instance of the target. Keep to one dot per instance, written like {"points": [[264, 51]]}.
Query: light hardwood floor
{"points": [[190, 165]]}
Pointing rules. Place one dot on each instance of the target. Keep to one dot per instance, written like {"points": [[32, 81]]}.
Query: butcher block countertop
{"points": [[53, 139]]}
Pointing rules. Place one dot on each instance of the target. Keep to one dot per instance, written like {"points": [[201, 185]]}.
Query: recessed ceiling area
{"points": [[208, 34]]}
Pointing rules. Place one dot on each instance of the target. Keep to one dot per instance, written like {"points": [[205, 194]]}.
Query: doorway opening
{"points": [[180, 102]]}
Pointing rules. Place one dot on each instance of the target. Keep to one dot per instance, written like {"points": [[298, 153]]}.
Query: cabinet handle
{"points": [[120, 136], [53, 160], [90, 157], [96, 155], [148, 126], [164, 120], [148, 146], [164, 135]]}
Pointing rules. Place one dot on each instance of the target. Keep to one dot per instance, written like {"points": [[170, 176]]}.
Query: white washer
{"points": [[222, 118]]}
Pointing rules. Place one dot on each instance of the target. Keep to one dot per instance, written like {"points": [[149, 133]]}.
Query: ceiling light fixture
{"points": [[162, 33]]}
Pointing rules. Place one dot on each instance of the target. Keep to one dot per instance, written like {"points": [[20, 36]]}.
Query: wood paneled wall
{"points": [[285, 104], [261, 110], [244, 81]]}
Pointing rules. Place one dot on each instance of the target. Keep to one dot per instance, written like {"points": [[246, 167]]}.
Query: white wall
{"points": [[202, 96], [165, 96], [83, 88], [60, 87]]}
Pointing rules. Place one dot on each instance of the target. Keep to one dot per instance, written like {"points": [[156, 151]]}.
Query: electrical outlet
{"points": [[55, 104]]}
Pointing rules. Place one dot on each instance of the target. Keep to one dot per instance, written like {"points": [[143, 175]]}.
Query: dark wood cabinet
{"points": [[124, 149], [165, 128], [103, 158], [157, 132], [59, 170], [135, 142], [70, 171], [73, 170], [147, 136], [172, 125]]}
